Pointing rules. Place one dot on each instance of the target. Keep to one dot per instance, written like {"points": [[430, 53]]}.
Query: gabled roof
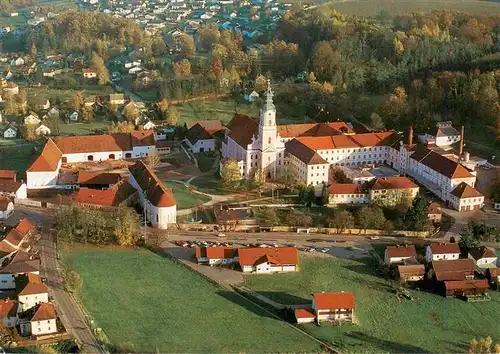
{"points": [[392, 183], [466, 284], [215, 252], [102, 178], [113, 196], [46, 311], [456, 269], [305, 313], [314, 129], [196, 133], [156, 192], [34, 288], [414, 269], [24, 226], [330, 301], [444, 248], [14, 237], [9, 186], [274, 255], [482, 252], [48, 160], [463, 190], [212, 126], [22, 262], [345, 188], [401, 251], [439, 163], [8, 308], [304, 153], [242, 129]]}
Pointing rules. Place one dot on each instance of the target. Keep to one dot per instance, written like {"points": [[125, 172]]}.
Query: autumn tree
{"points": [[258, 176], [131, 112], [181, 68], [341, 220], [266, 216], [187, 45], [33, 50], [76, 101], [370, 217], [483, 346], [87, 114], [208, 36], [416, 216], [126, 227], [287, 177], [28, 132], [74, 281], [260, 83], [172, 116], [152, 161], [102, 72], [158, 46], [121, 127], [325, 60], [230, 174]]}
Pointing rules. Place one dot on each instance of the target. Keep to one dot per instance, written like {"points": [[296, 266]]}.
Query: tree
{"points": [[416, 216], [182, 68], [126, 227], [152, 161], [267, 216], [260, 83], [258, 177], [471, 235], [121, 127], [158, 46], [74, 281], [187, 45], [102, 73], [340, 177], [172, 116], [87, 114], [287, 177], [296, 218], [28, 132], [131, 112], [342, 220], [52, 122], [324, 195], [370, 217], [33, 50], [230, 174], [164, 105], [310, 196], [76, 102], [216, 67], [325, 60], [483, 346], [376, 121]]}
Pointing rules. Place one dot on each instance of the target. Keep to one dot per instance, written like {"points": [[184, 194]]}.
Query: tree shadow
{"points": [[285, 298], [385, 345], [245, 303]]}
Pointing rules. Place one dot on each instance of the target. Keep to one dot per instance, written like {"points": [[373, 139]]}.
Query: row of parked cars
{"points": [[201, 243]]}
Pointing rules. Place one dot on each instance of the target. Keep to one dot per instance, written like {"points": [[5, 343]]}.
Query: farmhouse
{"points": [[8, 130], [42, 129], [397, 254], [89, 73], [465, 198], [268, 260], [216, 255], [200, 136], [158, 201], [390, 190], [443, 135], [411, 272], [347, 193], [334, 306], [458, 269], [32, 119], [442, 251], [42, 322], [483, 257]]}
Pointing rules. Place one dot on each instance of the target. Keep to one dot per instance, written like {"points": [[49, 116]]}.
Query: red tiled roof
{"points": [[156, 192], [8, 308], [463, 190], [142, 138], [24, 226], [393, 183], [466, 284], [482, 252], [48, 159], [34, 288], [215, 252], [401, 251], [46, 311], [328, 301], [198, 132], [14, 237], [314, 129], [345, 188], [89, 70], [453, 270], [104, 178], [242, 129], [9, 186], [275, 255], [212, 126], [8, 174], [444, 248], [418, 269], [304, 153], [305, 313], [113, 196], [439, 163]]}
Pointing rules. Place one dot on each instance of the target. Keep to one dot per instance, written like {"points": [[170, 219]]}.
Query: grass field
{"points": [[185, 198], [402, 7], [148, 303], [82, 128], [205, 161], [17, 157], [431, 323], [65, 95]]}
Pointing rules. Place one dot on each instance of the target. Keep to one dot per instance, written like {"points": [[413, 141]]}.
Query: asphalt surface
{"points": [[67, 309]]}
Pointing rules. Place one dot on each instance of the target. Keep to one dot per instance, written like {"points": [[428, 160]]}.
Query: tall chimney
{"points": [[461, 149], [410, 135]]}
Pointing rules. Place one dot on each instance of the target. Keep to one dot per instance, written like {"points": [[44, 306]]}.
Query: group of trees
{"points": [[77, 223], [475, 233]]}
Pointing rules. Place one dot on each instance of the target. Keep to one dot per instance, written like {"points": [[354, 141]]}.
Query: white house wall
{"points": [[39, 328], [28, 301], [39, 180]]}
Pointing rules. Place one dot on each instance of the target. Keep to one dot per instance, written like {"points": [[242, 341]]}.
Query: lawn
{"points": [[184, 197], [403, 7], [82, 128], [17, 157], [205, 161], [221, 109], [148, 303], [431, 323], [64, 95]]}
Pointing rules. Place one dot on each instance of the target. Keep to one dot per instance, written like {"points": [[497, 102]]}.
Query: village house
{"points": [[337, 306], [89, 73], [32, 119], [216, 255], [97, 180], [434, 212], [44, 321], [33, 291], [483, 257], [411, 272], [458, 269], [8, 312], [6, 207], [73, 117], [8, 130], [120, 194], [398, 254], [347, 193], [42, 129], [163, 147], [442, 251], [391, 190], [268, 260], [199, 140], [17, 62], [466, 288], [158, 201], [443, 135], [117, 98], [21, 263], [465, 198]]}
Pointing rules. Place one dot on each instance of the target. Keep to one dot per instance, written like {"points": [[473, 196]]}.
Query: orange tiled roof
{"points": [[46, 311], [156, 192], [8, 308], [24, 226], [401, 251], [215, 252], [113, 196], [439, 163], [393, 183], [456, 269], [275, 255], [8, 174], [48, 159], [444, 248], [345, 188], [463, 190], [304, 153], [329, 301], [242, 129], [305, 313], [314, 129], [212, 126], [34, 288], [98, 178], [466, 284]]}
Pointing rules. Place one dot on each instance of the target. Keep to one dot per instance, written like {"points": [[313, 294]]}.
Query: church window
{"points": [[279, 155], [269, 158], [269, 140], [269, 122]]}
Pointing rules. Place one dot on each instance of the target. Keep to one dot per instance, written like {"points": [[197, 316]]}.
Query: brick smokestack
{"points": [[410, 135], [461, 149]]}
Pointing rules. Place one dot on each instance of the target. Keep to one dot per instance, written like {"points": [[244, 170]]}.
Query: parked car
{"points": [[374, 238], [221, 234], [324, 250]]}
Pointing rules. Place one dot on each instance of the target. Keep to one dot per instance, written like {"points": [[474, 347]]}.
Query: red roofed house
{"points": [[397, 254], [21, 264], [483, 257], [465, 198], [390, 190], [44, 171], [122, 193], [9, 175], [200, 136], [466, 288], [268, 260], [44, 321], [458, 269], [32, 291], [334, 306], [89, 73], [306, 315], [216, 255], [154, 197], [6, 207], [8, 312], [347, 193], [441, 252]]}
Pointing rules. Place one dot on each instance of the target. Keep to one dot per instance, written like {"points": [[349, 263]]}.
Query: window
{"points": [[4, 281], [39, 329], [64, 159], [269, 141], [157, 218], [90, 158], [269, 122], [111, 156]]}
